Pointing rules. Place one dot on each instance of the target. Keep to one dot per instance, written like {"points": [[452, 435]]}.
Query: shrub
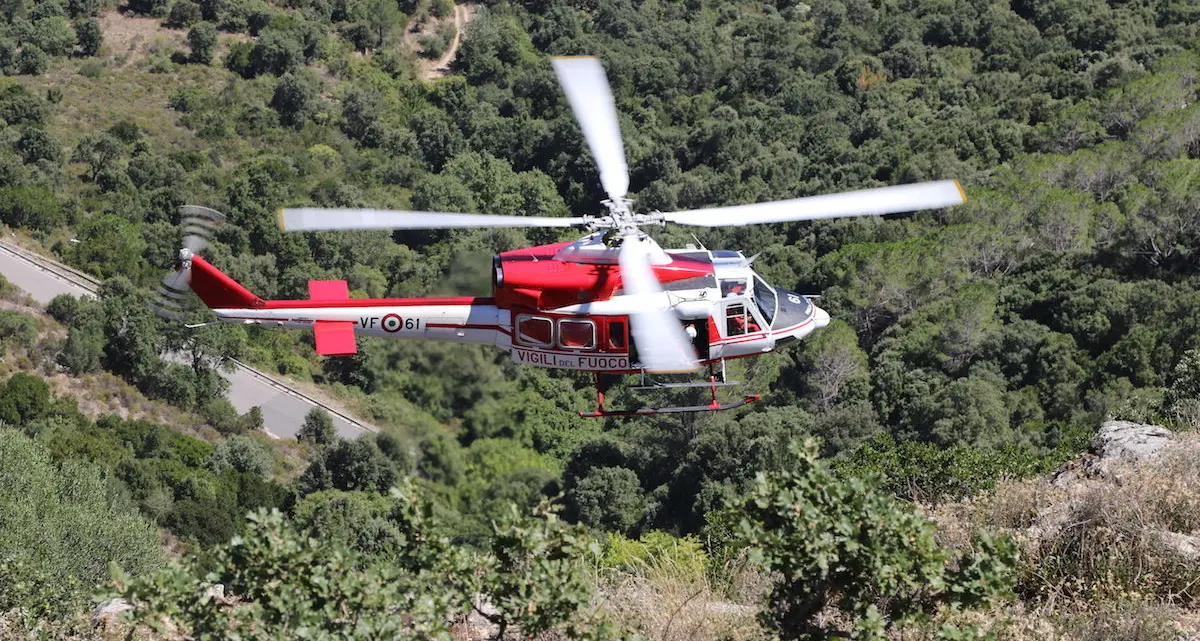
{"points": [[202, 39], [222, 415], [89, 36], [65, 520], [317, 428], [32, 61], [243, 454], [35, 144], [845, 543], [24, 397], [680, 556], [183, 14], [19, 107], [22, 328]]}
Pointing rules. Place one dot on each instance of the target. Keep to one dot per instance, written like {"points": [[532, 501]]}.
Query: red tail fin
{"points": [[218, 290]]}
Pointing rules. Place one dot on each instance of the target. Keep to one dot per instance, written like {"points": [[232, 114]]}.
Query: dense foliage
{"points": [[968, 345]]}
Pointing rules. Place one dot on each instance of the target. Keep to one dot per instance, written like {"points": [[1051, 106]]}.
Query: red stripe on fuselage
{"points": [[378, 302], [469, 326]]}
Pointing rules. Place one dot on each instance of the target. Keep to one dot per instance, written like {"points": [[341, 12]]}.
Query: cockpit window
{"points": [[764, 297], [733, 287]]}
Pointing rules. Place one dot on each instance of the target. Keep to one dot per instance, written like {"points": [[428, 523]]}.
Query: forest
{"points": [[969, 347]]}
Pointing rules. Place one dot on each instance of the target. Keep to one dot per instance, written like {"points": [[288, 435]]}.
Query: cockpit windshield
{"points": [[764, 297]]}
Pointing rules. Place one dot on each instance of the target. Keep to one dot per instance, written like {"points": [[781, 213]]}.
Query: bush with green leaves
{"points": [[276, 581], [202, 39], [243, 454], [318, 428], [929, 474], [656, 551], [844, 543], [68, 521], [533, 576], [89, 36]]}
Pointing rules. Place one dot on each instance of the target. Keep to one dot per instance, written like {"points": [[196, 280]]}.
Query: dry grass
{"points": [[128, 33], [666, 600], [1125, 620], [1127, 535]]}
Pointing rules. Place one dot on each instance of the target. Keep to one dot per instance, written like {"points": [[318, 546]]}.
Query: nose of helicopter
{"points": [[820, 317]]}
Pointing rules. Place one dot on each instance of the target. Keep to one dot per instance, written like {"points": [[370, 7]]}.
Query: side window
{"points": [[576, 334], [535, 330], [616, 335], [735, 320], [738, 321]]}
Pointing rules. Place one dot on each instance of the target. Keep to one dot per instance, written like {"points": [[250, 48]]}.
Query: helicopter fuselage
{"points": [[553, 306]]}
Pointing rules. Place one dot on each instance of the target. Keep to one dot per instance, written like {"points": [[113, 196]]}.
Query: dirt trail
{"points": [[434, 69], [462, 15]]}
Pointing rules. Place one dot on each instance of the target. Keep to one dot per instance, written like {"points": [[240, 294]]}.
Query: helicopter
{"points": [[612, 302]]}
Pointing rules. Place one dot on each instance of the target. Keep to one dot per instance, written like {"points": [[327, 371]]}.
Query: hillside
{"points": [[972, 348]]}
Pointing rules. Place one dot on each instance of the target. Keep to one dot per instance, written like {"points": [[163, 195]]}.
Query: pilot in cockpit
{"points": [[733, 287]]}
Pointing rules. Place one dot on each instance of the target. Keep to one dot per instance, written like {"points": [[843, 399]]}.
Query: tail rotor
{"points": [[171, 296]]}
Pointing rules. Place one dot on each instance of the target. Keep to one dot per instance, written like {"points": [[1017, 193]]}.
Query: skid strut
{"points": [[714, 381]]}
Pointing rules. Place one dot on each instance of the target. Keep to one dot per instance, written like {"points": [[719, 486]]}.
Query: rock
{"points": [[107, 612], [1127, 441], [1185, 546]]}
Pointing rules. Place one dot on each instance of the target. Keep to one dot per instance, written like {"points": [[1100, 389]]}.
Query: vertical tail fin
{"points": [[218, 290]]}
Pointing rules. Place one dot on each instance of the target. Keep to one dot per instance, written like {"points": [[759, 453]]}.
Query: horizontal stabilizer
{"points": [[334, 338], [328, 290]]}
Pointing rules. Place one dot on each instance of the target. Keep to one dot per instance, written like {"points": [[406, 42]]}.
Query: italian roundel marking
{"points": [[392, 323]]}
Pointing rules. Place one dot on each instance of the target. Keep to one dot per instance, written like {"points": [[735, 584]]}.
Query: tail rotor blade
{"points": [[662, 346], [591, 99], [199, 224], [171, 295]]}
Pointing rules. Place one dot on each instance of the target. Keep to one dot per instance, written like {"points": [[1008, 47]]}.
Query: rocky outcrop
{"points": [[107, 612], [1128, 441], [1116, 441]]}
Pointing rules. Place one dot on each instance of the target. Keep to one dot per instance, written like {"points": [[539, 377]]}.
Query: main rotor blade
{"points": [[314, 219], [867, 202], [591, 99], [661, 344]]}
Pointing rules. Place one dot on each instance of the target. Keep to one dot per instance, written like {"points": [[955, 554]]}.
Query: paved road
{"points": [[283, 407]]}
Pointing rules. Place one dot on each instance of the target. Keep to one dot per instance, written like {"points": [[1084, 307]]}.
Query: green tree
{"points": [[31, 207], [89, 36], [202, 39], [183, 14], [36, 144], [98, 151], [382, 18], [608, 498], [25, 397], [348, 465], [297, 97], [54, 35], [318, 428]]}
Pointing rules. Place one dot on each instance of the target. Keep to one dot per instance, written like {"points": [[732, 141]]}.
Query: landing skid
{"points": [[712, 407], [716, 379]]}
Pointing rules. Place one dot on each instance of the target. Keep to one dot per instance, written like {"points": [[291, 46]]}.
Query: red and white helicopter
{"points": [[612, 302]]}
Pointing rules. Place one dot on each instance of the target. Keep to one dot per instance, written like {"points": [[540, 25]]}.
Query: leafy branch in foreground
{"points": [[277, 582], [843, 543]]}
